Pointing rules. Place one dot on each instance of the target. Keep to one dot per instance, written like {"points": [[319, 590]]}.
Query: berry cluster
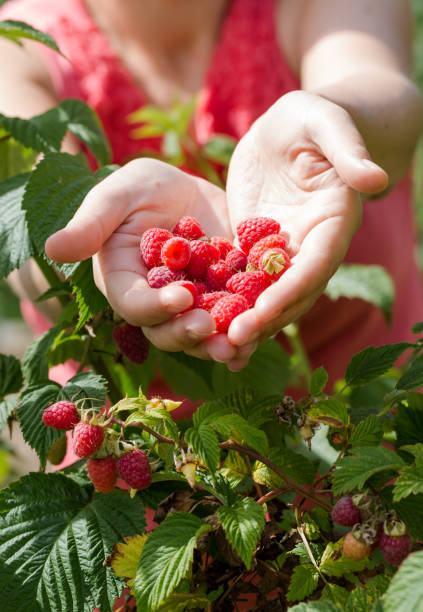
{"points": [[223, 280], [368, 532]]}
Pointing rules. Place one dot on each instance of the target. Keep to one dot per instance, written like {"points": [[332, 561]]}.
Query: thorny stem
{"points": [[159, 437], [231, 445], [228, 590]]}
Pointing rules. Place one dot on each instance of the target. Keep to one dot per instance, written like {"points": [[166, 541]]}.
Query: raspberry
{"points": [[275, 262], [135, 470], [87, 438], [345, 512], [203, 255], [226, 309], [222, 244], [189, 228], [206, 301], [251, 230], [217, 276], [61, 415], [395, 549], [103, 473], [236, 260], [249, 285], [176, 253], [264, 244], [354, 548], [131, 342], [151, 244], [161, 276], [201, 287]]}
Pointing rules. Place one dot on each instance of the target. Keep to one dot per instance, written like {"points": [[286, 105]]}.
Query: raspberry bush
{"points": [[260, 501]]}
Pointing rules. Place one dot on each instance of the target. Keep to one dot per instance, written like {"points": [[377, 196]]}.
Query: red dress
{"points": [[248, 48]]}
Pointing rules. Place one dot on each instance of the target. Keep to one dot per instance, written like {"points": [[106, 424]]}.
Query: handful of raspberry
{"points": [[223, 280]]}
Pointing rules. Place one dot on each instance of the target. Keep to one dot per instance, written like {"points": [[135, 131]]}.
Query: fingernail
{"points": [[197, 332], [175, 299]]}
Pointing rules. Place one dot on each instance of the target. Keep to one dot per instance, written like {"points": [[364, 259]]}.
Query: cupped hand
{"points": [[108, 225], [304, 164]]}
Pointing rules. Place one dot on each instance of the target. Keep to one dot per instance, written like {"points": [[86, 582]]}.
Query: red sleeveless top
{"points": [[247, 74]]}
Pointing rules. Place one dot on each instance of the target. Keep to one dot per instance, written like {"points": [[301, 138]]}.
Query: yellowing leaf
{"points": [[126, 556]]}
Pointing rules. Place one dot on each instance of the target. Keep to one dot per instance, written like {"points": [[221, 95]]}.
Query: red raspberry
{"points": [[249, 285], [236, 260], [151, 244], [189, 228], [345, 512], [103, 473], [206, 301], [226, 309], [217, 276], [135, 470], [395, 549], [201, 287], [275, 262], [355, 549], [264, 244], [251, 230], [131, 342], [87, 438], [222, 244], [161, 276], [61, 415], [203, 255], [176, 253]]}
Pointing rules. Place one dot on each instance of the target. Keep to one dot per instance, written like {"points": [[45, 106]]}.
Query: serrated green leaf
{"points": [[370, 283], [405, 593], [303, 582], [185, 375], [204, 443], [409, 420], [301, 551], [166, 559], [10, 375], [363, 598], [335, 563], [319, 378], [243, 523], [330, 412], [54, 539], [316, 606], [15, 30], [410, 481], [86, 385], [408, 509], [35, 360], [367, 433], [14, 157], [234, 426], [354, 470], [235, 469], [7, 407], [209, 411], [413, 376], [15, 245], [372, 362], [67, 347], [180, 602], [89, 299], [293, 464]]}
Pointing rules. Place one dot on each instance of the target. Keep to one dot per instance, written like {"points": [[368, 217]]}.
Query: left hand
{"points": [[304, 164]]}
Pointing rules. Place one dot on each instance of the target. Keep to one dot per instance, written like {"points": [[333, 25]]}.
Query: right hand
{"points": [[108, 225]]}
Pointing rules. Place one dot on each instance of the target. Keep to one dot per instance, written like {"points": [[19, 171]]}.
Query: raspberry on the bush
{"points": [[161, 276], [131, 342], [395, 541], [354, 548], [251, 230], [226, 309], [176, 253], [249, 284], [345, 512], [87, 438], [189, 228], [61, 415], [103, 473], [151, 244], [135, 469], [203, 255]]}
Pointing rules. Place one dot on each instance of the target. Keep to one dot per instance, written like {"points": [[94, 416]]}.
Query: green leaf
{"points": [[166, 559], [209, 412], [10, 375], [417, 328], [331, 412], [15, 30], [303, 582], [354, 470], [90, 300], [335, 563], [35, 360], [295, 466], [367, 433], [88, 385], [219, 149], [235, 427], [180, 602], [413, 376], [204, 443], [185, 375], [243, 523], [410, 481], [7, 407], [370, 283], [409, 420], [66, 347], [54, 539], [408, 509], [405, 593], [15, 245], [319, 378], [363, 598], [315, 606], [373, 362], [235, 469], [14, 157]]}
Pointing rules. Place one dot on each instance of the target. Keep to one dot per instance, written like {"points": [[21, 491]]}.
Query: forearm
{"points": [[386, 107]]}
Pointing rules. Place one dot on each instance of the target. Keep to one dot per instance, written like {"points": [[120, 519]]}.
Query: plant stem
{"points": [[51, 277], [272, 494], [231, 445], [292, 332]]}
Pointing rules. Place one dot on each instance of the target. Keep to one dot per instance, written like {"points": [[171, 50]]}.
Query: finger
{"points": [[217, 347], [182, 332], [342, 144], [243, 357], [110, 202]]}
